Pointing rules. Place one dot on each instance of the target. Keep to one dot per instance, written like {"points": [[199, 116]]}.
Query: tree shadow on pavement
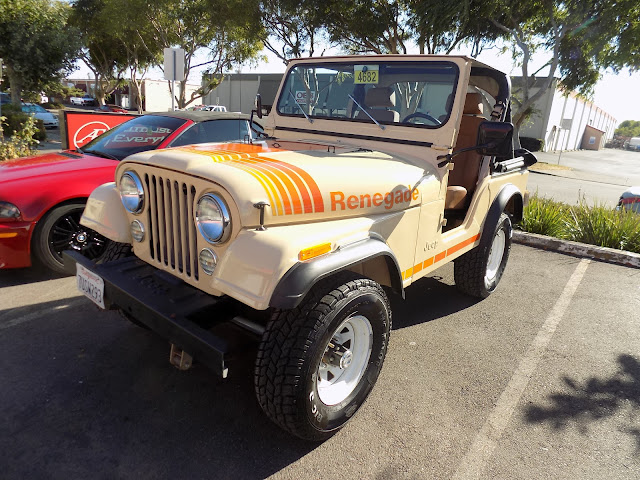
{"points": [[596, 399]]}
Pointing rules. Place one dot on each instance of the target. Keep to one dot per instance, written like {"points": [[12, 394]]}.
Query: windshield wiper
{"points": [[362, 108], [301, 109], [98, 153]]}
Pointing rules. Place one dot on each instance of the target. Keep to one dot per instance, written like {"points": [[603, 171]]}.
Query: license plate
{"points": [[91, 285]]}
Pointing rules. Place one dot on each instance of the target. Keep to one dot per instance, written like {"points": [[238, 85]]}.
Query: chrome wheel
{"points": [[345, 360], [495, 256]]}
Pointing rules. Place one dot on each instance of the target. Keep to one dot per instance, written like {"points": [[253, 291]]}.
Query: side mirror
{"points": [[495, 139], [259, 105]]}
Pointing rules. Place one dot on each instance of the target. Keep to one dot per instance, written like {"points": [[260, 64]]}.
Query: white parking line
{"points": [[474, 462]]}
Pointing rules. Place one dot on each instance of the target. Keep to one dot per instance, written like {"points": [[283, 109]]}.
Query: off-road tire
{"points": [[471, 271], [60, 226], [294, 345], [116, 250]]}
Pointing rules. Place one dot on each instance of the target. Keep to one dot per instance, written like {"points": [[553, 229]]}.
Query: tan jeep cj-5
{"points": [[372, 172]]}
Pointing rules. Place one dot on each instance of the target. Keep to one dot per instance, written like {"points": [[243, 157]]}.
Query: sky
{"points": [[616, 94]]}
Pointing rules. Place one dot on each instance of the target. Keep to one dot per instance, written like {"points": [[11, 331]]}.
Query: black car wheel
{"points": [[60, 230]]}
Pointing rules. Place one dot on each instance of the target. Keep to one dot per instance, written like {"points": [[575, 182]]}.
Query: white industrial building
{"points": [[567, 122]]}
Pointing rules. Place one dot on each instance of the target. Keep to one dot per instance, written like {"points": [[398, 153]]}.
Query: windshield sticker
{"points": [[365, 74], [301, 96], [139, 135]]}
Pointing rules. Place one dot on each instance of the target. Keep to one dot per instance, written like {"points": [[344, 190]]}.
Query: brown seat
{"points": [[466, 166], [378, 102]]}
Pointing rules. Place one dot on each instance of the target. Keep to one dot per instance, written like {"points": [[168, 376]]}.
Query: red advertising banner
{"points": [[81, 127]]}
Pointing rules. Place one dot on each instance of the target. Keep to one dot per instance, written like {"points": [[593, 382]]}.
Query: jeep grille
{"points": [[172, 231]]}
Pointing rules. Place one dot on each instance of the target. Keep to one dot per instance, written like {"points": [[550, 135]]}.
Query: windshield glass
{"points": [[136, 135], [214, 131], [407, 93]]}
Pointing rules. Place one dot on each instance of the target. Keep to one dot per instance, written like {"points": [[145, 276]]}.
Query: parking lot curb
{"points": [[603, 254]]}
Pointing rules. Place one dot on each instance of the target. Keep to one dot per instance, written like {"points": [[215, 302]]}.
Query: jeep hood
{"points": [[301, 181]]}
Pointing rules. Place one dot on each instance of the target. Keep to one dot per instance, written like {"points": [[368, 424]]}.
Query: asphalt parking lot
{"points": [[541, 380]]}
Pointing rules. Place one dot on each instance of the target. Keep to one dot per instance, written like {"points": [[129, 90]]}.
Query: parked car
{"points": [[630, 200], [111, 108], [42, 197], [633, 144], [214, 108], [49, 119], [84, 100]]}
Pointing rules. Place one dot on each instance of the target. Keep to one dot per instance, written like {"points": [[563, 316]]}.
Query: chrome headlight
{"points": [[8, 211], [131, 192], [212, 218]]}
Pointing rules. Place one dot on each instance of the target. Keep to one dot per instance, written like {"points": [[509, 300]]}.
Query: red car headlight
{"points": [[9, 212]]}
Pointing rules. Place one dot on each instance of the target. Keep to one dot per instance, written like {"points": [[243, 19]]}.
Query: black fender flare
{"points": [[498, 206], [299, 279]]}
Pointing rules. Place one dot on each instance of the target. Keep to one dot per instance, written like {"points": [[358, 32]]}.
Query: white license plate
{"points": [[91, 285]]}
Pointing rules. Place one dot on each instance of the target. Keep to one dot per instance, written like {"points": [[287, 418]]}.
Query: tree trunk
{"points": [[15, 83]]}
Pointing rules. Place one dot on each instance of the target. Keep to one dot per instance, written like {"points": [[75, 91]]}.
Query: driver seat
{"points": [[378, 101], [466, 166]]}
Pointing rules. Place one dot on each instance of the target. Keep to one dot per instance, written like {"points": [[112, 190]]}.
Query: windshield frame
{"points": [[286, 90]]}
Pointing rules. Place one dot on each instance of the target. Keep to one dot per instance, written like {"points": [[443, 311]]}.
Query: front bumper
{"points": [[199, 324], [14, 244]]}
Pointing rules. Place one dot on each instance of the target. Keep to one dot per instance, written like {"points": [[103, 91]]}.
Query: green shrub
{"points": [[21, 143], [15, 120], [545, 216], [596, 225], [605, 227]]}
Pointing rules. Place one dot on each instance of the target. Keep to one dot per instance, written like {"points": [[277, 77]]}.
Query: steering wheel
{"points": [[426, 116]]}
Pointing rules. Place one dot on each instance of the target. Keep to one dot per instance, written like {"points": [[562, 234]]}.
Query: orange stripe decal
{"points": [[292, 189], [313, 186], [461, 245], [430, 261]]}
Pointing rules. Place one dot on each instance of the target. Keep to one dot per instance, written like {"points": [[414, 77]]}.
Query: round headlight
{"points": [[131, 192], [208, 261], [212, 218]]}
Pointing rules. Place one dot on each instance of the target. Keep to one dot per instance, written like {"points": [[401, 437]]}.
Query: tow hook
{"points": [[179, 358]]}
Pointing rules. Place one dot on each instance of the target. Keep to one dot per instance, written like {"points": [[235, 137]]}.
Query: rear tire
{"points": [[317, 363], [478, 272]]}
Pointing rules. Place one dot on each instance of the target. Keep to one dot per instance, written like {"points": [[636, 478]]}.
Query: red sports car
{"points": [[42, 197]]}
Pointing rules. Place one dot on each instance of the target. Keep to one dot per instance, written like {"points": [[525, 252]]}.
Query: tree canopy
{"points": [[629, 128], [37, 45]]}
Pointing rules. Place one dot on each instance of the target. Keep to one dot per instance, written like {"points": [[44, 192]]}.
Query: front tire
{"points": [[478, 272], [317, 363], [60, 230]]}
